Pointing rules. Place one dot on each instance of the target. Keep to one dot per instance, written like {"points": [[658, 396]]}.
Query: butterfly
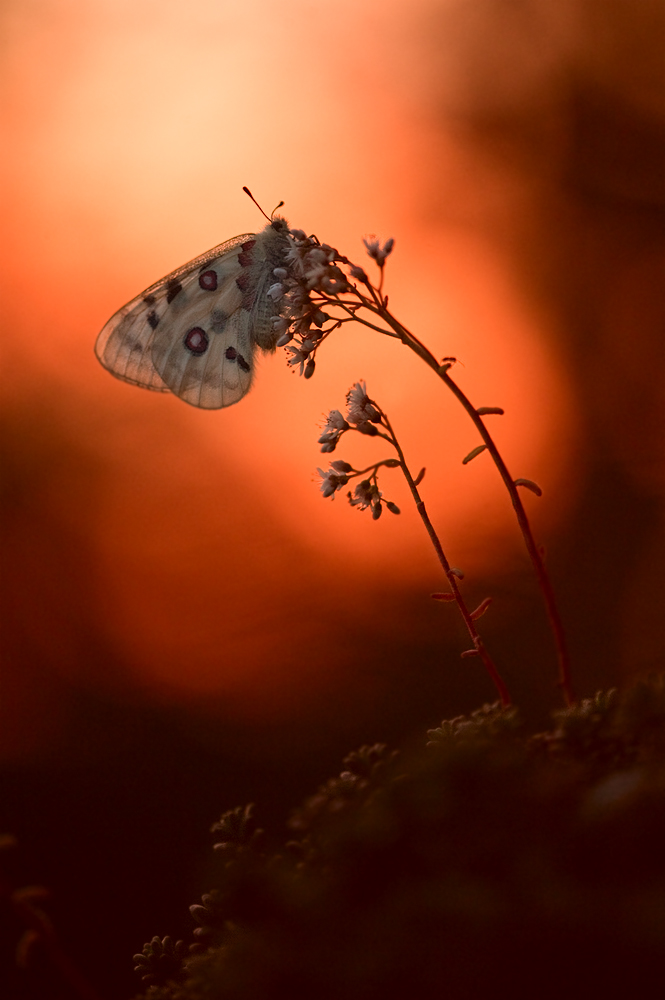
{"points": [[196, 332]]}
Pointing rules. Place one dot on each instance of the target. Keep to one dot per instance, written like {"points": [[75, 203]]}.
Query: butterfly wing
{"points": [[187, 333], [216, 368]]}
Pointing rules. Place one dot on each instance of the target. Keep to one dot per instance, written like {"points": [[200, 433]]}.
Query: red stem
{"points": [[542, 577], [478, 644]]}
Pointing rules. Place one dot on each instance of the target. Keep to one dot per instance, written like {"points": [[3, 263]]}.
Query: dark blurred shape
{"points": [[490, 862], [558, 107]]}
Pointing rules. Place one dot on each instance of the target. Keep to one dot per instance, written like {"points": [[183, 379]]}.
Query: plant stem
{"points": [[479, 647], [378, 308], [542, 575]]}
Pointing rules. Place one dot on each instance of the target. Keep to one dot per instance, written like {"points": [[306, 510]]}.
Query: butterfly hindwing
{"points": [[218, 376]]}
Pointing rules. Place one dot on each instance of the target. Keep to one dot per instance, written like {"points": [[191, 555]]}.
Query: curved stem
{"points": [[479, 646], [542, 577]]}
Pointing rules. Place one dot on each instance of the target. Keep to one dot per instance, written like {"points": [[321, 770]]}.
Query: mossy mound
{"points": [[490, 862]]}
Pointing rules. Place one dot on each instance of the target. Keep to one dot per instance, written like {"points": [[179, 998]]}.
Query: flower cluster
{"points": [[367, 494], [310, 279], [311, 275], [362, 415], [161, 961]]}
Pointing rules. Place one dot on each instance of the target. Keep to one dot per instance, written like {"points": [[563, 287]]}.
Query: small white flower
{"points": [[332, 432], [276, 291], [294, 259], [315, 277], [367, 494], [300, 354], [335, 421], [316, 255], [378, 252], [360, 407], [331, 481]]}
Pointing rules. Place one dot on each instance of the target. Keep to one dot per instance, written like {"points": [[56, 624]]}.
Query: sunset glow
{"points": [[195, 539]]}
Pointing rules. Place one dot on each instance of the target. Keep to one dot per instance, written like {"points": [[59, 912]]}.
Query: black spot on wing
{"points": [[230, 354], [149, 300], [218, 320], [243, 364], [133, 345], [153, 319], [173, 288]]}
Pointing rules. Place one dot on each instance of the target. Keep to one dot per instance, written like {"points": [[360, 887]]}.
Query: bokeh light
{"points": [[132, 129], [186, 545]]}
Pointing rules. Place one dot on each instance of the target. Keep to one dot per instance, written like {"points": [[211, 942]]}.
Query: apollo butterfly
{"points": [[196, 332]]}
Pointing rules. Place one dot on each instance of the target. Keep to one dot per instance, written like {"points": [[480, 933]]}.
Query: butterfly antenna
{"points": [[250, 195], [268, 217]]}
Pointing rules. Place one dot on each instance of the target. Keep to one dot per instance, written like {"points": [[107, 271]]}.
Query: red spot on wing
{"points": [[245, 257], [208, 281], [196, 340]]}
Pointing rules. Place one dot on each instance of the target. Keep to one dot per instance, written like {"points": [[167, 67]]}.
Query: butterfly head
{"points": [[279, 224]]}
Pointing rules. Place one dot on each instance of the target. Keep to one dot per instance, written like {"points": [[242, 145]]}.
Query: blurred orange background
{"points": [[189, 554], [182, 611], [174, 554]]}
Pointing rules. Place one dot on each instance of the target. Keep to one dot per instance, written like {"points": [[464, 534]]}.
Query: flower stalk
{"points": [[317, 282], [365, 416]]}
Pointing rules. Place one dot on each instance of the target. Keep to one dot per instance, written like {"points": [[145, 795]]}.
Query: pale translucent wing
{"points": [[124, 346], [222, 374]]}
